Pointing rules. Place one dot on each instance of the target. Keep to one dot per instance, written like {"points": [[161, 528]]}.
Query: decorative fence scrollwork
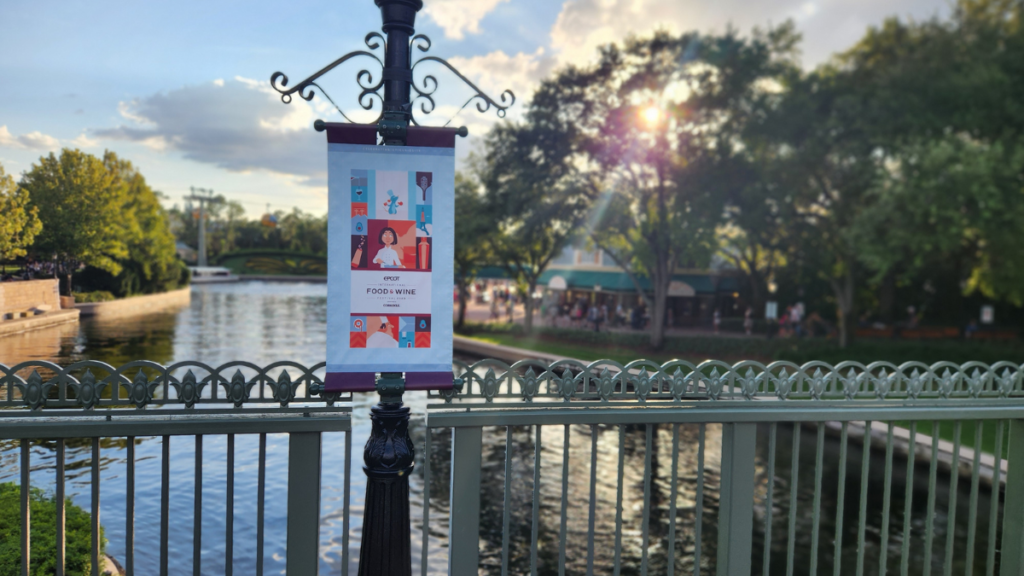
{"points": [[644, 381], [91, 385]]}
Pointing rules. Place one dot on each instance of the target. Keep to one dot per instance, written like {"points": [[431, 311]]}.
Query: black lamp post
{"points": [[399, 19], [389, 453]]}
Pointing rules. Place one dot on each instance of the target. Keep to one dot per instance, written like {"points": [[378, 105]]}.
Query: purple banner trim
{"points": [[431, 136], [429, 380], [343, 133], [427, 136], [350, 382]]}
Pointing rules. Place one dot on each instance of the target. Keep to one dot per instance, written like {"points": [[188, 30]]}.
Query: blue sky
{"points": [[181, 88]]}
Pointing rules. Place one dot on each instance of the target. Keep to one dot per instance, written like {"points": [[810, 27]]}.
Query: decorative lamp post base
{"points": [[389, 454]]}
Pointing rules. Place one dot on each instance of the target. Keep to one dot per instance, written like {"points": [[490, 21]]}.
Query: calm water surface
{"points": [[265, 322]]}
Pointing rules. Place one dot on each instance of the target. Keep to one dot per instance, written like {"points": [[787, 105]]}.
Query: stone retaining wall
{"points": [[136, 304], [22, 295]]}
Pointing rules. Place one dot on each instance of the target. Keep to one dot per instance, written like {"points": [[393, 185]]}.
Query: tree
{"points": [[80, 204], [152, 264], [533, 199], [20, 223], [472, 228], [656, 121], [950, 200]]}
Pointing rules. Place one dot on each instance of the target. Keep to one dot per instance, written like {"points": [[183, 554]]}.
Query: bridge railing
{"points": [[44, 402], [698, 468], [591, 468]]}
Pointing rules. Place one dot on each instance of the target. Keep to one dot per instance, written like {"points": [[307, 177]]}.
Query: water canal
{"points": [[265, 322]]}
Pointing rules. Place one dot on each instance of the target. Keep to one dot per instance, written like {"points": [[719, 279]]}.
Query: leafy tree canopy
{"points": [[20, 223]]}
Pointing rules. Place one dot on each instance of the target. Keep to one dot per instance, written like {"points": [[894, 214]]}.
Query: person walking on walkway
{"points": [[594, 316]]}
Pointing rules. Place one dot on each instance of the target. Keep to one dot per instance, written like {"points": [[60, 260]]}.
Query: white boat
{"points": [[211, 274]]}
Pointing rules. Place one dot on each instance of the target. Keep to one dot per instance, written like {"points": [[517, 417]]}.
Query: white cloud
{"points": [[497, 71], [457, 17], [219, 82], [241, 126], [83, 141], [30, 141], [828, 26]]}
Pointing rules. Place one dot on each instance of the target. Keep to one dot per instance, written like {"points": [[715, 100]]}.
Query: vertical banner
{"points": [[390, 276]]}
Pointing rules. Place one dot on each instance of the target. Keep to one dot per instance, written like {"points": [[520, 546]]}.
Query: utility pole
{"points": [[196, 197]]}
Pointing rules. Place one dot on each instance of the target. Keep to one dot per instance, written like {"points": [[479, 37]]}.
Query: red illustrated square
{"points": [[423, 339], [357, 339]]}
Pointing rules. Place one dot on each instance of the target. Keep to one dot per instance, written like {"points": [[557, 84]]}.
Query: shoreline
{"points": [[136, 304], [46, 320]]}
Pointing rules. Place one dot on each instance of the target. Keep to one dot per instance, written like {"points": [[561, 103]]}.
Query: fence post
{"points": [[1012, 546], [464, 530], [736, 509], [303, 503]]}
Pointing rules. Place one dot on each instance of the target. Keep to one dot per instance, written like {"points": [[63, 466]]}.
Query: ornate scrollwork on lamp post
{"points": [[396, 76]]}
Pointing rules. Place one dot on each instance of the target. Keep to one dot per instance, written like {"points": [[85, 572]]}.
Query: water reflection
{"points": [[578, 509], [266, 322]]}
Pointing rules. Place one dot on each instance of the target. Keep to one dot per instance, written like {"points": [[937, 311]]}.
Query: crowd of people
{"points": [[31, 269]]}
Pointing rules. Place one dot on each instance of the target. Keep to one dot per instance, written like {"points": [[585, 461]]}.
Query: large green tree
{"points": [[80, 204], [152, 264], [20, 222], [657, 124], [473, 227], [534, 199]]}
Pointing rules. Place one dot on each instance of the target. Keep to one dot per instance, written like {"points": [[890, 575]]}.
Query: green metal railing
{"points": [[600, 468], [746, 402], [44, 401]]}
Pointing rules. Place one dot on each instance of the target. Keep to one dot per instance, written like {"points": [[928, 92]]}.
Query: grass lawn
{"points": [[967, 430], [580, 351]]}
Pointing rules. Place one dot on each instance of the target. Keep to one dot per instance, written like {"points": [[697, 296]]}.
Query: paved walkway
{"points": [[482, 313]]}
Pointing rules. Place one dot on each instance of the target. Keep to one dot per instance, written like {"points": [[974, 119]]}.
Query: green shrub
{"points": [[798, 350], [44, 534], [97, 296]]}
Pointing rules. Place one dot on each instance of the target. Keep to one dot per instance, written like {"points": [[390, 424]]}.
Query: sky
{"points": [[182, 88]]}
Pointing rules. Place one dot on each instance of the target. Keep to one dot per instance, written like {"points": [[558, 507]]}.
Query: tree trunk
{"points": [[756, 298], [528, 306], [843, 290], [887, 298], [661, 281], [463, 297], [65, 284]]}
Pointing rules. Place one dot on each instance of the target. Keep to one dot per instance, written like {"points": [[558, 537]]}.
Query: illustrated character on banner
{"points": [[383, 338], [421, 223], [387, 257], [392, 203], [424, 187]]}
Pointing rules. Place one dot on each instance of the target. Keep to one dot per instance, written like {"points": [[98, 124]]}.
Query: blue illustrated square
{"points": [[357, 324], [359, 226], [360, 193], [407, 340], [360, 185], [406, 324]]}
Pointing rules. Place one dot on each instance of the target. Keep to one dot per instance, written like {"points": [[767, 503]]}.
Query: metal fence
{"points": [[597, 468], [638, 415], [41, 401]]}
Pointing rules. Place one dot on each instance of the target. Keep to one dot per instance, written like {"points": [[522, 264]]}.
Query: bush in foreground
{"points": [[44, 534]]}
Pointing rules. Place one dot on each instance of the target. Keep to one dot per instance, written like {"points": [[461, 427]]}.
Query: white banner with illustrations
{"points": [[390, 263]]}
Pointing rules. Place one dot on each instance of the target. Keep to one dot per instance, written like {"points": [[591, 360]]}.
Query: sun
{"points": [[651, 115]]}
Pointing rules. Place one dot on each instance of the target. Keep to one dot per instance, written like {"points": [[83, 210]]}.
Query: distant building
{"points": [[693, 295], [186, 252]]}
